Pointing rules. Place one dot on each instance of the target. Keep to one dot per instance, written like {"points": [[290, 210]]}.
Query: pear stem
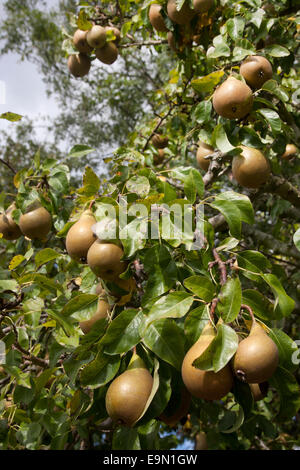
{"points": [[213, 307], [249, 309], [91, 204]]}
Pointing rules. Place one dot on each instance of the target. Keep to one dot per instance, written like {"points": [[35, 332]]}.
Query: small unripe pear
{"points": [[128, 394]]}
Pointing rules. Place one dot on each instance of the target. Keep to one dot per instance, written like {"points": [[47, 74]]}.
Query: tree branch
{"points": [[8, 166]]}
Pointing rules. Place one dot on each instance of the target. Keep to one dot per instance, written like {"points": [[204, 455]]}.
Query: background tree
{"points": [[56, 379]]}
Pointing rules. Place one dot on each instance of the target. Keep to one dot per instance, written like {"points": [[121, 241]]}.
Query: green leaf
{"points": [[250, 138], [174, 305], [261, 306], [243, 395], [235, 27], [220, 48], [202, 112], [78, 303], [231, 421], [272, 87], [208, 83], [154, 388], [276, 50], [288, 349], [91, 183], [242, 49], [296, 239], [100, 371], [195, 322], [161, 270], [12, 117], [230, 300], [220, 138], [272, 119], [139, 185], [125, 438], [284, 305], [8, 285], [232, 215], [201, 286], [79, 151], [193, 184], [254, 264], [42, 281], [122, 333], [224, 346], [165, 339], [289, 393], [44, 256]]}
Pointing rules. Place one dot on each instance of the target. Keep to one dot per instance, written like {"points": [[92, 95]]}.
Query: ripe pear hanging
{"points": [[104, 259], [207, 385], [80, 237], [103, 310], [8, 227], [36, 223], [128, 394], [233, 99], [256, 358]]}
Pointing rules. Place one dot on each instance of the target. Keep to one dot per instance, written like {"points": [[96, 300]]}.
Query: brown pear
{"points": [[251, 169], [202, 152], [80, 237], [103, 310], [8, 227], [183, 16], [202, 6], [201, 441], [156, 18], [177, 408], [104, 259], [290, 151], [233, 99], [79, 65], [159, 141], [80, 42], [159, 157], [107, 54], [256, 70], [116, 32], [128, 394], [96, 37], [259, 391], [36, 223], [203, 384], [256, 358]]}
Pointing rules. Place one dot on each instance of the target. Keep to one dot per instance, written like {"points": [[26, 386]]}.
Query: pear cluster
{"points": [[35, 224], [94, 41], [105, 260], [254, 363], [181, 17]]}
